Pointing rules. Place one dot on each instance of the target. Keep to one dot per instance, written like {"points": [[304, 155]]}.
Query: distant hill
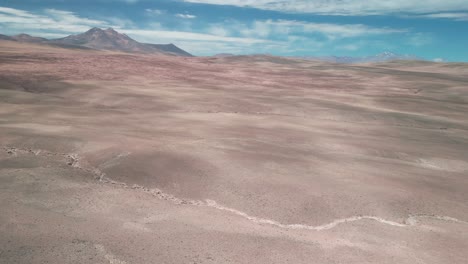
{"points": [[108, 39], [29, 38], [220, 55], [170, 49], [381, 57], [100, 39], [5, 37]]}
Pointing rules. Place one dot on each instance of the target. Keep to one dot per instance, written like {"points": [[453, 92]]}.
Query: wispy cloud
{"points": [[15, 12], [188, 16], [447, 15], [67, 17], [52, 20], [272, 28], [53, 23], [420, 39], [130, 1], [206, 44], [291, 36], [233, 36], [346, 7], [182, 35], [155, 11]]}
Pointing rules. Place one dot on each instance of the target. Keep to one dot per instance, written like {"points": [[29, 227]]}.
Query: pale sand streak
{"points": [[74, 159], [108, 256], [409, 221], [331, 225]]}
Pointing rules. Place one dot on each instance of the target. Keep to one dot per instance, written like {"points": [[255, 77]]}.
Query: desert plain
{"points": [[108, 157]]}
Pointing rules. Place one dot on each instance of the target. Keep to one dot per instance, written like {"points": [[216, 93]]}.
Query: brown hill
{"points": [[170, 49], [110, 39], [28, 38], [5, 37], [100, 39]]}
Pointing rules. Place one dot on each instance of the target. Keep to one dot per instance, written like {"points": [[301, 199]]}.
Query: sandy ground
{"points": [[118, 158]]}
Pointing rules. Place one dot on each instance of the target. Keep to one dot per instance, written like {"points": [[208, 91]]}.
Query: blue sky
{"points": [[433, 29]]}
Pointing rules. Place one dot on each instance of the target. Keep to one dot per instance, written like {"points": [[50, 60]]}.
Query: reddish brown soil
{"points": [[119, 158]]}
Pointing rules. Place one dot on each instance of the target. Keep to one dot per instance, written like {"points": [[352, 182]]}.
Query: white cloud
{"points": [[448, 15], [261, 36], [67, 17], [347, 7], [350, 47], [420, 39], [15, 12], [210, 48], [15, 20], [52, 23], [207, 44], [218, 31], [278, 28], [290, 36], [131, 1], [159, 35], [339, 30], [188, 16], [155, 11], [120, 22], [438, 60], [262, 29]]}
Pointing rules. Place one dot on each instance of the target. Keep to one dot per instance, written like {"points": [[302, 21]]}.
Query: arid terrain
{"points": [[108, 157]]}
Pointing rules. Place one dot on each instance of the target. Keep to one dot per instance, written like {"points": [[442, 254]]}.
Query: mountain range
{"points": [[100, 39], [109, 39]]}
